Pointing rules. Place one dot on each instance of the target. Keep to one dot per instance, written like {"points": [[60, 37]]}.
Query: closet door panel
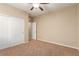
{"points": [[11, 31]]}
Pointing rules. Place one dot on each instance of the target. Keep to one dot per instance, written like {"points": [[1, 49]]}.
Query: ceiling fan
{"points": [[37, 5]]}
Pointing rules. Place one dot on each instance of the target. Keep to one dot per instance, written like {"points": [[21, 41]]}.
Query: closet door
{"points": [[11, 31], [3, 31], [16, 30]]}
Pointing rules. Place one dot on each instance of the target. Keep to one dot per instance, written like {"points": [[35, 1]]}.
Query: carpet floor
{"points": [[39, 48]]}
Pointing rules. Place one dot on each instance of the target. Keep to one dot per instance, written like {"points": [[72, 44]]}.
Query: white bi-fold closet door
{"points": [[11, 31]]}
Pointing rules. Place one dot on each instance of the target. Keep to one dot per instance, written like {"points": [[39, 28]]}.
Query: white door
{"points": [[16, 29], [11, 31], [34, 30]]}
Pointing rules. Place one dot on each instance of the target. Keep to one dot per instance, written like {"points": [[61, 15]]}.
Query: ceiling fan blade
{"points": [[44, 3], [32, 8], [41, 8]]}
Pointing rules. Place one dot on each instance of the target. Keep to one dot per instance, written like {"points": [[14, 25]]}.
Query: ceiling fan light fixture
{"points": [[36, 5]]}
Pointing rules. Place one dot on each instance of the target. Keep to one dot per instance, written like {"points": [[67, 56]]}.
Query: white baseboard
{"points": [[61, 44], [11, 45]]}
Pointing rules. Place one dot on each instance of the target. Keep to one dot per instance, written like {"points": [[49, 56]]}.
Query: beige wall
{"points": [[59, 26], [9, 10], [78, 25]]}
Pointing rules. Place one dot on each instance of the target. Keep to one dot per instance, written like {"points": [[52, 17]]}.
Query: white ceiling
{"points": [[36, 12]]}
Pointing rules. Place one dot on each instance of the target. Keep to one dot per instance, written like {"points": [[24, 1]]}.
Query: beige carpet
{"points": [[39, 48]]}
